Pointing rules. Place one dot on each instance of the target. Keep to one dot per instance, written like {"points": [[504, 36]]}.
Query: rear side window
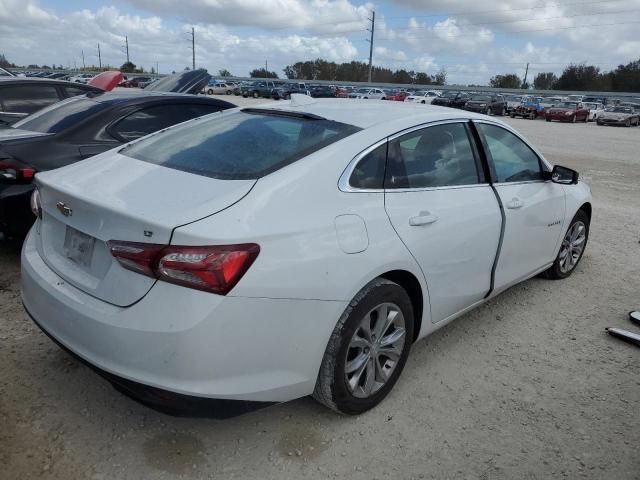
{"points": [[435, 156], [65, 114], [27, 98], [73, 91], [149, 120], [369, 172], [513, 160], [239, 145]]}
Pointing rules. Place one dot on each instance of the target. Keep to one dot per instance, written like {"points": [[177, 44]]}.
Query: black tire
{"points": [[210, 92], [513, 115], [598, 122], [331, 386], [627, 123], [489, 111], [256, 95], [554, 272], [548, 119], [228, 92], [504, 111], [574, 119]]}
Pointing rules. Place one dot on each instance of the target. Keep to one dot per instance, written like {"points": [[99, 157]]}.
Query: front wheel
{"points": [[210, 92], [572, 248], [367, 350]]}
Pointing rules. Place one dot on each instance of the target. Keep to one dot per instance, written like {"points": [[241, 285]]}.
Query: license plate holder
{"points": [[78, 246]]}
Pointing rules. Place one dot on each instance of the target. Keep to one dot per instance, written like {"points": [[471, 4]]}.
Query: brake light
{"points": [[13, 170], [36, 203], [215, 269]]}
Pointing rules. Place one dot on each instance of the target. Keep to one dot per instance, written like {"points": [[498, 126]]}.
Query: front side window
{"points": [[435, 156], [61, 115], [513, 160], [240, 145]]}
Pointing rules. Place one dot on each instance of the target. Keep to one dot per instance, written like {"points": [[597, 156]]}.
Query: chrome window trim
{"points": [[345, 186]]}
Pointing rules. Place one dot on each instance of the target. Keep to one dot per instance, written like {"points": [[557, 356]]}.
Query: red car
{"points": [[567, 112], [395, 95]]}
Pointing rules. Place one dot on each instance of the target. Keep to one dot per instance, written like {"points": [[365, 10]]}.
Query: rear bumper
{"points": [[185, 341]]}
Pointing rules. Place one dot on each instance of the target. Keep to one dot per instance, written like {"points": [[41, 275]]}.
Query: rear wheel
{"points": [[572, 248], [367, 350], [256, 95], [210, 92], [548, 119]]}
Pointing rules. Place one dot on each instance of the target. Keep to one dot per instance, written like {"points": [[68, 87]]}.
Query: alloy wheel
{"points": [[375, 350], [572, 246]]}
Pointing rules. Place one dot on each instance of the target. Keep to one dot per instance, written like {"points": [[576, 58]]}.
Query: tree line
{"points": [[624, 78], [320, 69]]}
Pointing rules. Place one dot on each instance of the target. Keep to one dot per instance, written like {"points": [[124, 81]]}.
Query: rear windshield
{"points": [[62, 115], [239, 145]]}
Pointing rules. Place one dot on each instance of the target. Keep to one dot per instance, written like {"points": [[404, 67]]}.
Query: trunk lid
{"points": [[114, 197]]}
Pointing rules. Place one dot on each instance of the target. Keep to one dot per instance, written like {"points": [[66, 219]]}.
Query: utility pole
{"points": [[373, 27], [126, 45], [83, 65], [526, 72], [157, 69], [99, 57], [266, 66], [193, 47]]}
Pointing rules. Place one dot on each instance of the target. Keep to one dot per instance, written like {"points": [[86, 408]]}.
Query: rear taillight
{"points": [[13, 170], [215, 269], [36, 203]]}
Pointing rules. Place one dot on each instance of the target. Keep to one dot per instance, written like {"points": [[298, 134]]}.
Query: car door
{"points": [[445, 213], [533, 207]]}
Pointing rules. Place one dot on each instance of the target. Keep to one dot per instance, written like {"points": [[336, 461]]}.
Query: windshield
{"points": [[450, 94], [61, 116], [241, 145], [568, 105], [513, 98], [620, 109], [481, 98]]}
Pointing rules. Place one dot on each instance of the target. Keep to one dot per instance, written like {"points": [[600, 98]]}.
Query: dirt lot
{"points": [[527, 387]]}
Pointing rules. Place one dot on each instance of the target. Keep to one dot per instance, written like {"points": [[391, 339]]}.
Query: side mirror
{"points": [[563, 175]]}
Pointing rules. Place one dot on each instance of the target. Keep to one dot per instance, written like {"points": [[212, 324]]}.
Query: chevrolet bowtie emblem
{"points": [[63, 209]]}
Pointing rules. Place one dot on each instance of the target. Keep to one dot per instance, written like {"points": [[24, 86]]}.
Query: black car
{"points": [[488, 104], [259, 89], [21, 96], [451, 99], [322, 91], [79, 128]]}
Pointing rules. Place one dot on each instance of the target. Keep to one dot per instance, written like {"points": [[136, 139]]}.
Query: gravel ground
{"points": [[528, 386]]}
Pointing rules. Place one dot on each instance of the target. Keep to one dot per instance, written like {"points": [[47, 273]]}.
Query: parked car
{"points": [[619, 115], [591, 99], [595, 110], [568, 112], [56, 75], [238, 88], [451, 99], [259, 89], [395, 95], [285, 90], [422, 96], [219, 88], [574, 98], [528, 108], [513, 101], [322, 91], [134, 82], [78, 128], [22, 96], [368, 93], [177, 265], [81, 78], [189, 81], [487, 103]]}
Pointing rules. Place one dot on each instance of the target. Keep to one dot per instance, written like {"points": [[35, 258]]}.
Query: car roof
{"points": [[367, 113]]}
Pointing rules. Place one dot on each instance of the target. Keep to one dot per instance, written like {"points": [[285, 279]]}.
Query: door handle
{"points": [[515, 203], [424, 218]]}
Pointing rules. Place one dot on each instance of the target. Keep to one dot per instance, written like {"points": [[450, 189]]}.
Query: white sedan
{"points": [[219, 89], [366, 93], [596, 110], [423, 96], [300, 248]]}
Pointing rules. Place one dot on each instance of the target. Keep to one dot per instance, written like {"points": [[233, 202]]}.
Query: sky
{"points": [[472, 40]]}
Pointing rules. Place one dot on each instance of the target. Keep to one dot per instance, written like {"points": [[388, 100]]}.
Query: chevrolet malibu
{"points": [[264, 254]]}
